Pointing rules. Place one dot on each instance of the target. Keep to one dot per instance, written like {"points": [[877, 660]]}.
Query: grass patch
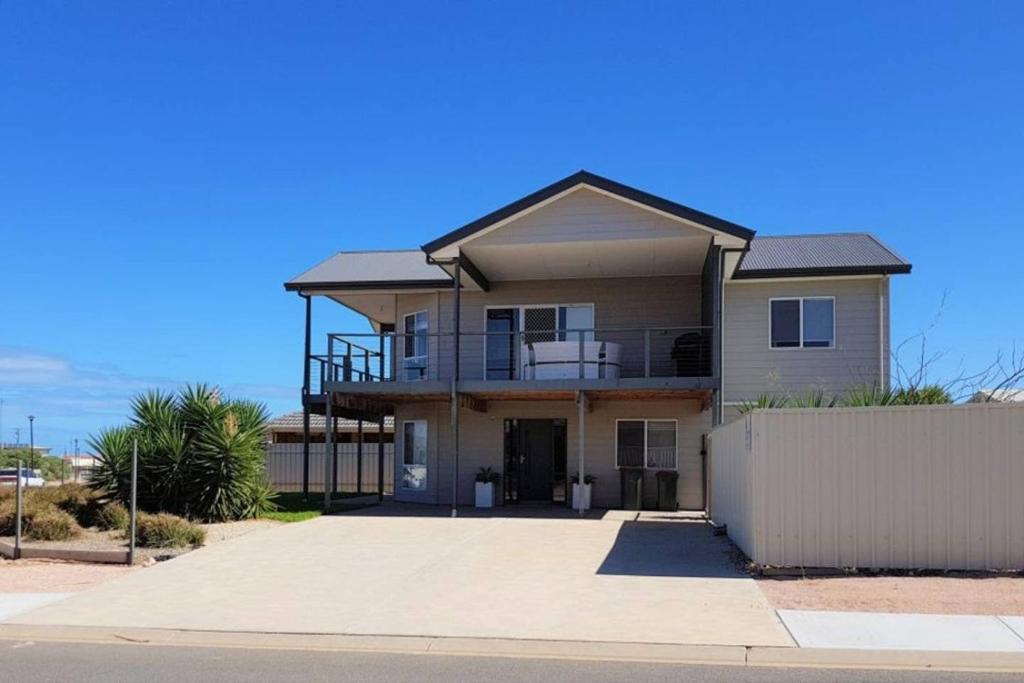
{"points": [[292, 508]]}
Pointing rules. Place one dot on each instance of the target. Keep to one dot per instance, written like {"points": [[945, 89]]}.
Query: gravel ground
{"points": [[960, 594], [51, 576]]}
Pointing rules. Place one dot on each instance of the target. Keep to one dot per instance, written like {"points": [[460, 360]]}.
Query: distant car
{"points": [[9, 477]]}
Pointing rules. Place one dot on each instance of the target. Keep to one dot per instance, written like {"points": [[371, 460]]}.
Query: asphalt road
{"points": [[26, 662]]}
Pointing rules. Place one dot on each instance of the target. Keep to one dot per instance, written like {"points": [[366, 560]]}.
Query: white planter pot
{"points": [[484, 495], [576, 496]]}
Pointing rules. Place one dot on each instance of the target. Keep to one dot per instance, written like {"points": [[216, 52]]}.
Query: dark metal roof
{"points": [[599, 182], [811, 255], [348, 270]]}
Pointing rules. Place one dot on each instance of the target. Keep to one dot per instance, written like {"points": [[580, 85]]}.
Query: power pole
{"points": [[32, 441]]}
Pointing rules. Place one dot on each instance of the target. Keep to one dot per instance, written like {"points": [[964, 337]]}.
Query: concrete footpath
{"points": [[883, 631]]}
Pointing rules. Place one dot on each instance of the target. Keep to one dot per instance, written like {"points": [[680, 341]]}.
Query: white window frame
{"points": [[645, 420], [426, 356], [521, 318], [425, 466], [801, 346]]}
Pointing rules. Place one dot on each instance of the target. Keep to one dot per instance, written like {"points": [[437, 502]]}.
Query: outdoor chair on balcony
{"points": [[561, 360]]}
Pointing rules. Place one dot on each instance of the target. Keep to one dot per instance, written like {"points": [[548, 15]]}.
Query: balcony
{"points": [[424, 362]]}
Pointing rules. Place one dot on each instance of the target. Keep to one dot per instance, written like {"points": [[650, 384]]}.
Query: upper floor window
{"points": [[807, 322], [414, 346]]}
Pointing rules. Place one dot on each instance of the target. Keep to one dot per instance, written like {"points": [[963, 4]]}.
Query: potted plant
{"points": [[486, 485], [583, 498]]}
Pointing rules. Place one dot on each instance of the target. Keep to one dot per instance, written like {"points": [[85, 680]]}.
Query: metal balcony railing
{"points": [[592, 353]]}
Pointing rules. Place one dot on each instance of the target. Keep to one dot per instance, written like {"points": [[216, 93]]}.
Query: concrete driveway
{"points": [[658, 581]]}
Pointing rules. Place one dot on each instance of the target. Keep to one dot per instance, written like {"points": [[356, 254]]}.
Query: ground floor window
{"points": [[414, 455], [646, 443]]}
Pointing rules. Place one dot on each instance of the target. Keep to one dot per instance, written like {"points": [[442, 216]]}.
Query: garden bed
{"points": [[92, 540]]}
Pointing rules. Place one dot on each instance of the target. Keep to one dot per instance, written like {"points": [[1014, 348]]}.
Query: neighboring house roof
{"points": [[812, 255], [292, 422], [605, 184], [998, 396], [404, 269]]}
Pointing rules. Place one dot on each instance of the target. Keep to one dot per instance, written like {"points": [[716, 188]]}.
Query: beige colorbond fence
{"points": [[930, 487], [284, 467]]}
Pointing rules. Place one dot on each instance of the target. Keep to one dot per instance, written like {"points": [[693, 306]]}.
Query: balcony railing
{"points": [[593, 353]]}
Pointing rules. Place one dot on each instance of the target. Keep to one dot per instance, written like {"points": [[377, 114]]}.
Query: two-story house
{"points": [[586, 328]]}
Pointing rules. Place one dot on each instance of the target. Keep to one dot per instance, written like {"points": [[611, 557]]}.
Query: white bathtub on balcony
{"points": [[561, 360]]}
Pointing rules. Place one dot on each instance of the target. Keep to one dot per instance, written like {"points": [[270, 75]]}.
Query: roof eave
{"points": [[832, 271], [365, 285]]}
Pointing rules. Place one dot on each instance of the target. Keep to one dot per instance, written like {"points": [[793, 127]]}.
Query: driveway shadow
{"points": [[676, 549]]}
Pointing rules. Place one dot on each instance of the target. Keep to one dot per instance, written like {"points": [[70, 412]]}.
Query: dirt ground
{"points": [[51, 576], [960, 594]]}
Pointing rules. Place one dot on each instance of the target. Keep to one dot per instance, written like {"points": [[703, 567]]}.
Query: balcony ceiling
{"points": [[678, 255]]}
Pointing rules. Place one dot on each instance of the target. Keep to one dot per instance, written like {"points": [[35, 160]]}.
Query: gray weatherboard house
{"points": [[584, 328]]}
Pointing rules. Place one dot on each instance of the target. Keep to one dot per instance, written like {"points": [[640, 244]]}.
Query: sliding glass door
{"points": [[512, 327]]}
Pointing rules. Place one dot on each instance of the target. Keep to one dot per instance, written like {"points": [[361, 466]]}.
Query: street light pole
{"points": [[32, 441]]}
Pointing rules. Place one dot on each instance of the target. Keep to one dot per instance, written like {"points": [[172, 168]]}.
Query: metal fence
{"points": [[913, 487], [284, 467], [535, 354]]}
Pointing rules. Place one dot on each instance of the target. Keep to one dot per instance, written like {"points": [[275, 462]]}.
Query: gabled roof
{"points": [[353, 270], [596, 181], [813, 255]]}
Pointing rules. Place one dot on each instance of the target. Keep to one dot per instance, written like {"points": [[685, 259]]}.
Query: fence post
{"points": [[132, 522], [17, 514]]}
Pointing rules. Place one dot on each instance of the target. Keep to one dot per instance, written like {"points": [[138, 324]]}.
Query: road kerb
{"points": [[885, 659], [733, 655]]}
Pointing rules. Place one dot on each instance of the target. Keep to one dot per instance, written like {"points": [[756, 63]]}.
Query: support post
{"points": [[359, 456], [328, 448], [457, 284], [328, 429], [17, 514], [305, 397], [380, 459], [582, 355], [581, 411], [334, 457], [647, 352], [133, 510]]}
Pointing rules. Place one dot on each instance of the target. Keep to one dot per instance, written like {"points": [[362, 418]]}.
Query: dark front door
{"points": [[535, 460]]}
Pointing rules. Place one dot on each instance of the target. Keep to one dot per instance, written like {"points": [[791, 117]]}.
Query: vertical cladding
{"points": [[921, 487]]}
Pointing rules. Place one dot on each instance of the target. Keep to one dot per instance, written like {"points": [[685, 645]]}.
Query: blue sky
{"points": [[164, 167]]}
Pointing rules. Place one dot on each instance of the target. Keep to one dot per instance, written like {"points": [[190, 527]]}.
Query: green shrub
{"points": [[7, 517], [51, 525], [78, 500], [930, 394], [167, 531], [200, 456], [31, 507], [113, 516]]}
